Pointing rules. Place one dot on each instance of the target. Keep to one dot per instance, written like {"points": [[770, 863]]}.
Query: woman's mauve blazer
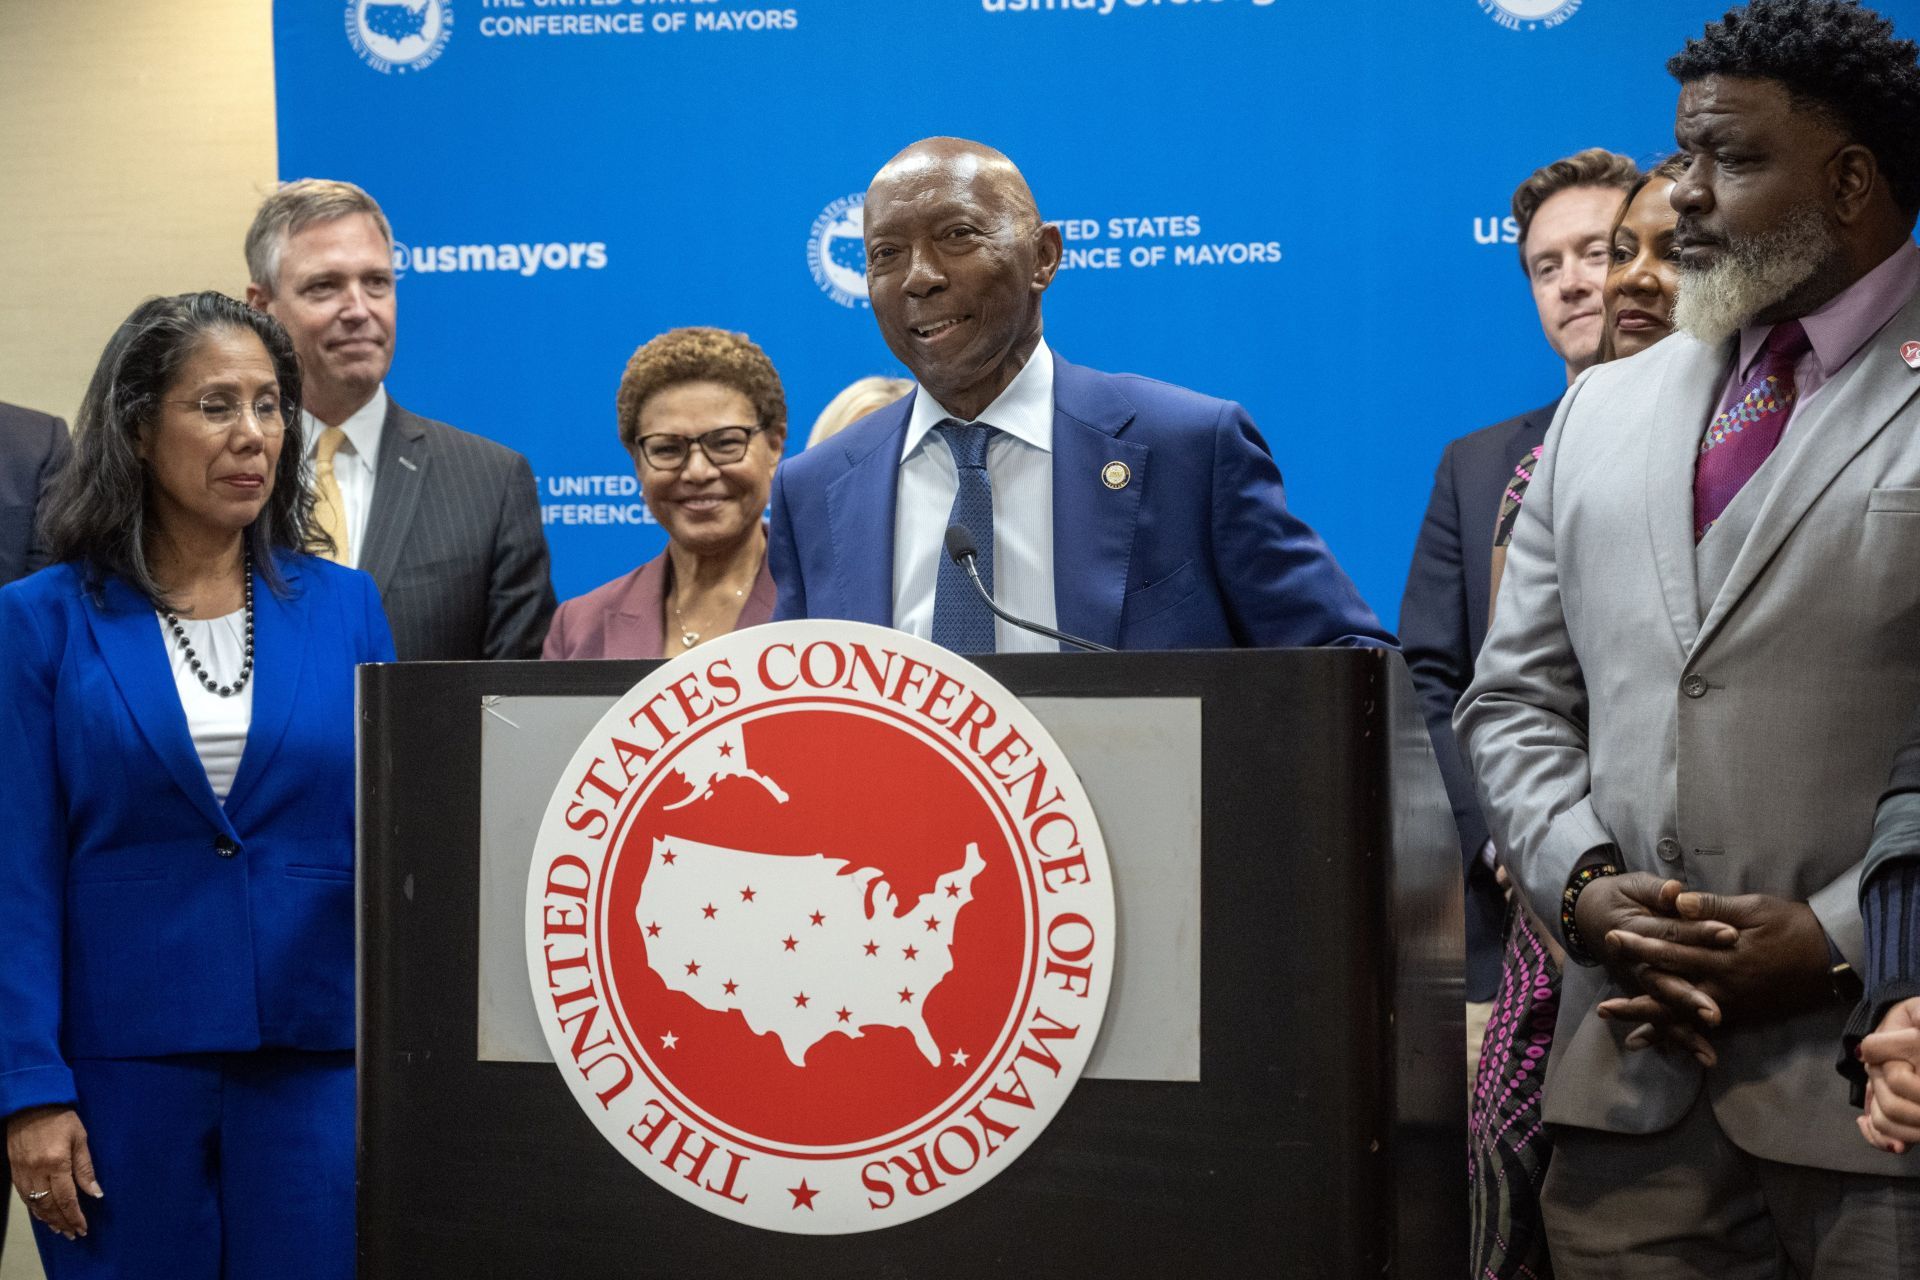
{"points": [[140, 917], [625, 618]]}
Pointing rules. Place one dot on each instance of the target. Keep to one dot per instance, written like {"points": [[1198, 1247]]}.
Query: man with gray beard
{"points": [[1727, 284], [1704, 656]]}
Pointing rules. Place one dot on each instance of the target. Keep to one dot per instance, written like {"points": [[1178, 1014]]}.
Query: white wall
{"points": [[136, 138]]}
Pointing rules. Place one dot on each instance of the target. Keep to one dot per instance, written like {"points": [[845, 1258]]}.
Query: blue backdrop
{"points": [[1296, 205]]}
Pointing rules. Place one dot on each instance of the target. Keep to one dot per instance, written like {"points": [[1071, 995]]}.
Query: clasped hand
{"points": [[1696, 960], [1891, 1120]]}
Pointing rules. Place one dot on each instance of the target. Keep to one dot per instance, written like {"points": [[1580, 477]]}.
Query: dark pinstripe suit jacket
{"points": [[455, 545], [33, 448]]}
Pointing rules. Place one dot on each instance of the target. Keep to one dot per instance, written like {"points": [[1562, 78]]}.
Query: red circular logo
{"points": [[819, 927]]}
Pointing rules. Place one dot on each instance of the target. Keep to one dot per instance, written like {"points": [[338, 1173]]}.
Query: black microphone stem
{"points": [[973, 575]]}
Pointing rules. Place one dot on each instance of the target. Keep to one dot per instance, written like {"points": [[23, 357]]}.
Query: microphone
{"points": [[962, 551]]}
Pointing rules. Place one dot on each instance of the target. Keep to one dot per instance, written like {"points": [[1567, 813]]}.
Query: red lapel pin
{"points": [[1910, 352]]}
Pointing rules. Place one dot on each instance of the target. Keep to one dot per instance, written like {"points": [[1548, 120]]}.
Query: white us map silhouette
{"points": [[803, 947]]}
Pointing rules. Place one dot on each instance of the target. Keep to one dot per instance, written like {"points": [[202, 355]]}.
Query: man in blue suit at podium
{"points": [[1118, 509]]}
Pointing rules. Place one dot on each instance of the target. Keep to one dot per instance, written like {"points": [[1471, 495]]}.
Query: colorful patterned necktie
{"points": [[1742, 434], [329, 511], [961, 620]]}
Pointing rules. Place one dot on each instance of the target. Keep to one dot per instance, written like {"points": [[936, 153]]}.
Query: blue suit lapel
{"points": [[1093, 525], [135, 652], [860, 506], [280, 652]]}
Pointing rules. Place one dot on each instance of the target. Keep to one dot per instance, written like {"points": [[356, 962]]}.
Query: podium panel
{"points": [[1139, 756], [1325, 1134]]}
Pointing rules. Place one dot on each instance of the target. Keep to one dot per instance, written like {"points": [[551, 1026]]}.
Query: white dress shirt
{"points": [[353, 465], [218, 725], [1020, 468]]}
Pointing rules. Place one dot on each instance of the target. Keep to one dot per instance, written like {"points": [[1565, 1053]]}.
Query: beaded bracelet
{"points": [[1570, 898]]}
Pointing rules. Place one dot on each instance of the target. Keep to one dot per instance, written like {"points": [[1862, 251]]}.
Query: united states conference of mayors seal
{"points": [[820, 927]]}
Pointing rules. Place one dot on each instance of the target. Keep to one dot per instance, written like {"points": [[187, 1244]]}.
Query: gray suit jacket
{"points": [[454, 543], [1726, 719], [33, 448]]}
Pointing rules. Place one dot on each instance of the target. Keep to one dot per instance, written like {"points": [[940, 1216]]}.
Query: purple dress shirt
{"points": [[1838, 329]]}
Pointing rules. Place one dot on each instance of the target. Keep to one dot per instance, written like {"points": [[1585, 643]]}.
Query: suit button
{"points": [[226, 846], [1668, 850], [1694, 686]]}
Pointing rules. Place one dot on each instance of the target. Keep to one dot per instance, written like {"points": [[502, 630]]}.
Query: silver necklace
{"points": [[688, 637], [193, 659]]}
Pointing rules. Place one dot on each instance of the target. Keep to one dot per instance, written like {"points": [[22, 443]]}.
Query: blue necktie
{"points": [[961, 620]]}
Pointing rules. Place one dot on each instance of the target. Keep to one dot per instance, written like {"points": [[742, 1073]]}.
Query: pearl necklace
{"points": [[193, 659]]}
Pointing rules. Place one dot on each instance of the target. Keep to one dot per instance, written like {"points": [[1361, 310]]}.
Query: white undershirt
{"points": [[1020, 468], [218, 725], [353, 465]]}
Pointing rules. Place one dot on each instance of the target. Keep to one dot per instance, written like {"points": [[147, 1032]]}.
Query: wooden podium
{"points": [[1325, 1134]]}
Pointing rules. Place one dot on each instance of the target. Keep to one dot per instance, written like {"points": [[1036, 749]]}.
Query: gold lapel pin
{"points": [[1115, 475]]}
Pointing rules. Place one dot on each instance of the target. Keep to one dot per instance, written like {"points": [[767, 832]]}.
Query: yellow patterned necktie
{"points": [[329, 512]]}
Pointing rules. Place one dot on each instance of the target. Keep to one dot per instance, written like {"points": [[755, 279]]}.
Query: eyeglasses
{"points": [[722, 446], [221, 411]]}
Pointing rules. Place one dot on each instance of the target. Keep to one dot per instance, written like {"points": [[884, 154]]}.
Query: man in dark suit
{"points": [[1565, 212], [447, 523], [33, 448], [1882, 1040], [1132, 513]]}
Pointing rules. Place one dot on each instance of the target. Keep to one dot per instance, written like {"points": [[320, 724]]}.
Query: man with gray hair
{"points": [[447, 523]]}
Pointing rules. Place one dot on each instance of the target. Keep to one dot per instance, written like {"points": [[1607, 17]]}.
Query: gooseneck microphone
{"points": [[961, 551]]}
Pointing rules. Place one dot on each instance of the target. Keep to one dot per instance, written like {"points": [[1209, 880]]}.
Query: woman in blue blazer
{"points": [[176, 873]]}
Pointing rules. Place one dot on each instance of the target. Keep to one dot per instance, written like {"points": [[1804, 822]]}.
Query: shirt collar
{"points": [[363, 428], [1024, 410], [1842, 326]]}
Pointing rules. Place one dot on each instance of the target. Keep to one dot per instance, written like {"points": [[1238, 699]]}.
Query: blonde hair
{"points": [[294, 206], [855, 402]]}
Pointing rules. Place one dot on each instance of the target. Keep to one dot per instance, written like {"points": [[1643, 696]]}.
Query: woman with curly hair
{"points": [[703, 414], [176, 739]]}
